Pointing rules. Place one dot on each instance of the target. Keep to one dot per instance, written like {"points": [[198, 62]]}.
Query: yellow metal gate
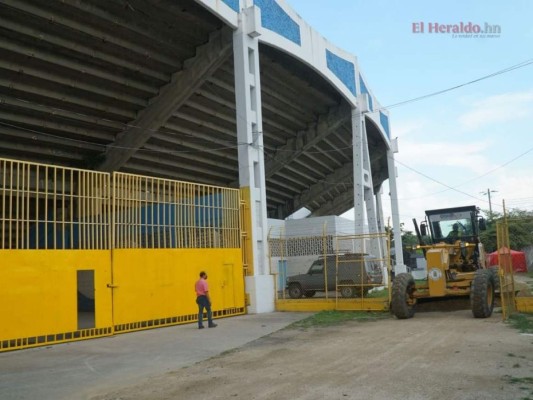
{"points": [[165, 233], [86, 254], [55, 254]]}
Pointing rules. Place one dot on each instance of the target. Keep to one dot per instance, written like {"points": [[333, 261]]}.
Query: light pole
{"points": [[487, 193]]}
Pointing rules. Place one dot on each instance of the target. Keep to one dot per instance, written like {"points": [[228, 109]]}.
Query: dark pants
{"points": [[204, 303]]}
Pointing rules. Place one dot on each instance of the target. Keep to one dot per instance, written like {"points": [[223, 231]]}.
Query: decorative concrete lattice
{"points": [[302, 246]]}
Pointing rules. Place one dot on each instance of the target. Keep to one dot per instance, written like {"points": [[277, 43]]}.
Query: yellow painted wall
{"points": [[38, 290], [159, 283]]}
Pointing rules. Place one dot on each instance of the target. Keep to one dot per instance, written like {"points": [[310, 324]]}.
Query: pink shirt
{"points": [[201, 287]]}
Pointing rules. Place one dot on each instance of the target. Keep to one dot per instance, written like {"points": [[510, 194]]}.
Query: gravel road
{"points": [[436, 355]]}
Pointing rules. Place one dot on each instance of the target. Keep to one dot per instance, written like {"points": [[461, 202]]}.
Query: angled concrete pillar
{"points": [[400, 266], [365, 209], [259, 282], [381, 228]]}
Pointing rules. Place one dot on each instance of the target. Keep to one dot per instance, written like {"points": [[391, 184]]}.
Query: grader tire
{"points": [[482, 293], [402, 302], [495, 271]]}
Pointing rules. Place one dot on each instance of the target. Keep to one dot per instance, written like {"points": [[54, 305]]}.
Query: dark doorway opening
{"points": [[86, 312]]}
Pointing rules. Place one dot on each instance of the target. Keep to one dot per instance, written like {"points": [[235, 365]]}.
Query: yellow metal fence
{"points": [[49, 207], [505, 270], [327, 272], [160, 213]]}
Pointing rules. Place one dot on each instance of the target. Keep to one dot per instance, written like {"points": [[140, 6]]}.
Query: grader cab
{"points": [[455, 263]]}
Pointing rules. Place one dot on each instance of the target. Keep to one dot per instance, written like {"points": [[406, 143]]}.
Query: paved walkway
{"points": [[80, 370]]}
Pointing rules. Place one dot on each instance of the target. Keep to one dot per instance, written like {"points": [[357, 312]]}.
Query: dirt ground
{"points": [[436, 355]]}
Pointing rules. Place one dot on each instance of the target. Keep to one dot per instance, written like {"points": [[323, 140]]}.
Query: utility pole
{"points": [[487, 193]]}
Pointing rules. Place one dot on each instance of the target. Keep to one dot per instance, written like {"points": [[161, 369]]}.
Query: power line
{"points": [[473, 179], [439, 182], [439, 92]]}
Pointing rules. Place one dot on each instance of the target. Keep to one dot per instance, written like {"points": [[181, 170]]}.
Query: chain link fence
{"points": [[350, 270]]}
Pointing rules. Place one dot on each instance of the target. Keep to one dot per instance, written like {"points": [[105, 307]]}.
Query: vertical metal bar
{"points": [[128, 202], [191, 219], [54, 210], [21, 219], [63, 190], [99, 194], [126, 210], [115, 224], [205, 212], [221, 212], [17, 193], [203, 219], [97, 210], [106, 214], [146, 227], [118, 190], [134, 204], [4, 175], [138, 187], [115, 214], [183, 215], [119, 210], [45, 230], [10, 231], [177, 207], [179, 213], [166, 208], [83, 212], [37, 213], [28, 208], [152, 212], [72, 203], [92, 216], [89, 213], [158, 212]]}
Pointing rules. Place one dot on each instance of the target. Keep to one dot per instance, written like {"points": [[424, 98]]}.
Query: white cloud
{"points": [[497, 109], [408, 127], [469, 156]]}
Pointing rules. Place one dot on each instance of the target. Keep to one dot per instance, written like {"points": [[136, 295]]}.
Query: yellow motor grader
{"points": [[455, 263]]}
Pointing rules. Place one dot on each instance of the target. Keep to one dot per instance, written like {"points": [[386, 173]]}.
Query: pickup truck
{"points": [[352, 274]]}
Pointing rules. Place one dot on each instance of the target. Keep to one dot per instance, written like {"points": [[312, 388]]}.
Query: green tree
{"points": [[520, 224]]}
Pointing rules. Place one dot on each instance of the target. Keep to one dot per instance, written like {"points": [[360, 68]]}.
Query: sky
{"points": [[473, 139]]}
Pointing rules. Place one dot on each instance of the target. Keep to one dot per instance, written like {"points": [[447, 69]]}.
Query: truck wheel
{"points": [[403, 303], [295, 291], [309, 293], [347, 291], [482, 293]]}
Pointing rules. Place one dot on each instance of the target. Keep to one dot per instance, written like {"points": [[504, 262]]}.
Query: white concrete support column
{"points": [[358, 171], [260, 285], [371, 212], [400, 266], [363, 186]]}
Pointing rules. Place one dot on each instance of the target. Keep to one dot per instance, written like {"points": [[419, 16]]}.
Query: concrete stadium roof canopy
{"points": [[147, 87]]}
